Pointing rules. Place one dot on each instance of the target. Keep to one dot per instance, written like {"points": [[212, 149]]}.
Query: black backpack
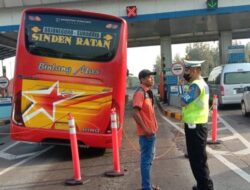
{"points": [[147, 94]]}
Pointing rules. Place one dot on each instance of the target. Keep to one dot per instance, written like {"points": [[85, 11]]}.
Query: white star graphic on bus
{"points": [[45, 101]]}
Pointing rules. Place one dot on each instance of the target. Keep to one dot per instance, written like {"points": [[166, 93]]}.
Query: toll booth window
{"points": [[71, 37], [237, 78]]}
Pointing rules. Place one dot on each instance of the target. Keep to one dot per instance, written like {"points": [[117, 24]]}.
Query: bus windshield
{"points": [[71, 37]]}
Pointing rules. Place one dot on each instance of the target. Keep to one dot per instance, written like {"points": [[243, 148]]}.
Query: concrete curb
{"points": [[168, 112]]}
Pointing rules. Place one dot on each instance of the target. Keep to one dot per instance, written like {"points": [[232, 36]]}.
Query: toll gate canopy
{"points": [[183, 21]]}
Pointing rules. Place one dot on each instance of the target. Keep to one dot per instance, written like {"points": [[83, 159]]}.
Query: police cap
{"points": [[193, 64]]}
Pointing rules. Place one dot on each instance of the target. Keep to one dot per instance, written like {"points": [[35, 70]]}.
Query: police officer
{"points": [[195, 112]]}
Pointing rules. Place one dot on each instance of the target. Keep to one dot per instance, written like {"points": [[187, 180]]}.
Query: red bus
{"points": [[69, 61]]}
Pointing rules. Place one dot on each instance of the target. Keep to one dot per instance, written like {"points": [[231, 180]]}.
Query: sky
{"points": [[137, 58], [145, 57]]}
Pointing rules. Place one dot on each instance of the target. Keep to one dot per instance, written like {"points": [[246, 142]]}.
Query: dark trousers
{"points": [[196, 140]]}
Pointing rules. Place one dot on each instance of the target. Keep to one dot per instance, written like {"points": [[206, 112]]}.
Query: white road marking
{"points": [[228, 138], [243, 152], [8, 156], [178, 123], [221, 128], [218, 154], [235, 133], [210, 122], [8, 147], [25, 160], [233, 167]]}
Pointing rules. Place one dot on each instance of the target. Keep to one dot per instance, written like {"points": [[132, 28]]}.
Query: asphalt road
{"points": [[43, 167]]}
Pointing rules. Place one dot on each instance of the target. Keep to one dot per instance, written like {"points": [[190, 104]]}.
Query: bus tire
{"points": [[94, 151]]}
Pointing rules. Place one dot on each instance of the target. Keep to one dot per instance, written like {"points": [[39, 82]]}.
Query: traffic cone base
{"points": [[114, 174], [214, 142], [72, 182]]}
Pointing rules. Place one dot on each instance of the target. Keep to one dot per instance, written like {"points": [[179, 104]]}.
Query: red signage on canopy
{"points": [[131, 11]]}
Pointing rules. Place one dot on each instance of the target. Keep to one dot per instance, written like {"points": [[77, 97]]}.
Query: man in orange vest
{"points": [[144, 116]]}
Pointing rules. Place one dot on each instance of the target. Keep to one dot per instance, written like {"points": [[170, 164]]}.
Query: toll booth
{"points": [[173, 87]]}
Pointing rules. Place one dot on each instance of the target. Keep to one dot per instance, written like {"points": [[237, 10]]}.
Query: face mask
{"points": [[187, 77]]}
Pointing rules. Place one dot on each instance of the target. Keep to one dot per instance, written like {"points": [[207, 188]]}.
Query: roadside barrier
{"points": [[116, 172], [214, 122], [77, 180]]}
